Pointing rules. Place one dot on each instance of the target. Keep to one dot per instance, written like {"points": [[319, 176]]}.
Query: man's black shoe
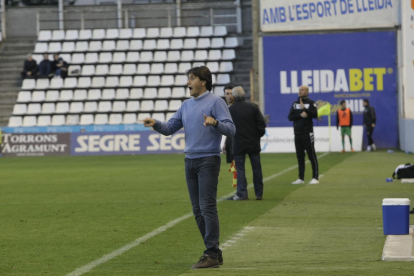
{"points": [[206, 262], [220, 258], [259, 198]]}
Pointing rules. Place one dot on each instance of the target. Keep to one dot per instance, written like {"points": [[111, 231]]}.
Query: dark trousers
{"points": [[241, 174], [202, 180], [306, 142], [370, 131]]}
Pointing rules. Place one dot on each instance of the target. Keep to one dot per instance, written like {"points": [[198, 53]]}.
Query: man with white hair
{"points": [[301, 113], [250, 127]]}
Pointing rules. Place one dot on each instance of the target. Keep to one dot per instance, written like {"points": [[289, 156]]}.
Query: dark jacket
{"points": [[369, 116], [250, 127], [30, 66], [303, 125]]}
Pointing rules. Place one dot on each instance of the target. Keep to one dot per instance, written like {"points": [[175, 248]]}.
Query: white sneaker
{"points": [[369, 148], [374, 148], [299, 181], [314, 181]]}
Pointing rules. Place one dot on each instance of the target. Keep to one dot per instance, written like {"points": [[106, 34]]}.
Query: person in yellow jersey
{"points": [[344, 120]]}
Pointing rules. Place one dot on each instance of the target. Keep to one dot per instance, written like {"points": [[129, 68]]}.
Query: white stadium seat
{"points": [[164, 92], [42, 83], [62, 107], [201, 55], [158, 116], [132, 106], [72, 120], [190, 43], [58, 120], [108, 94], [142, 116], [126, 81], [180, 32], [58, 35], [223, 79], [163, 44], [178, 92], [119, 57], [119, 106], [78, 58], [143, 69], [136, 93], [111, 82], [95, 46], [173, 56], [85, 34], [81, 46], [217, 43], [203, 43], [150, 44], [167, 80], [140, 81], [104, 106], [28, 84], [84, 82], [129, 119], [166, 32], [15, 121], [76, 107], [98, 82], [40, 47], [147, 105], [68, 47], [206, 31], [80, 95], [174, 105], [214, 55], [98, 34], [48, 108], [150, 93], [19, 109], [228, 54], [44, 36], [220, 31], [94, 94], [176, 44], [66, 95], [122, 93], [29, 121], [180, 80], [132, 57], [34, 108], [125, 33], [157, 68], [56, 83], [146, 56], [171, 68], [91, 58], [184, 67], [102, 69], [129, 69], [105, 57], [70, 83], [193, 31], [231, 42], [115, 69], [24, 97], [153, 32], [213, 66], [226, 67], [44, 120], [38, 96], [122, 45], [71, 35], [52, 96], [139, 33], [112, 34], [135, 45], [115, 119], [160, 56], [154, 81], [66, 57], [90, 107], [88, 70], [86, 119], [187, 55]]}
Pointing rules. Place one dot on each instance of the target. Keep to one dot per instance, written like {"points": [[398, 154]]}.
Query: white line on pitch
{"points": [[86, 268]]}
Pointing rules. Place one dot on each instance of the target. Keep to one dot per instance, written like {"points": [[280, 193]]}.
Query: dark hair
{"points": [[366, 100], [203, 73], [228, 86], [342, 102]]}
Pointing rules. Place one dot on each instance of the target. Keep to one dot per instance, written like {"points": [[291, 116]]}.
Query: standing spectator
{"points": [[29, 68], [228, 145], [344, 120], [250, 127], [205, 119], [45, 67], [301, 113], [59, 67], [370, 120]]}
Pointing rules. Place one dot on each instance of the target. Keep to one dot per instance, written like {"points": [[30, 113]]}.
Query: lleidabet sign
{"points": [[296, 15]]}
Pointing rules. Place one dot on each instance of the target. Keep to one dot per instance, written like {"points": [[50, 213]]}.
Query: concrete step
{"points": [[5, 58], [8, 83], [9, 89]]}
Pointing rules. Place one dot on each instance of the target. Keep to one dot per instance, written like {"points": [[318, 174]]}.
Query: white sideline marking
{"points": [[86, 268], [237, 236]]}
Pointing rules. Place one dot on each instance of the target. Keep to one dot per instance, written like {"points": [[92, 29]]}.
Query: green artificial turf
{"points": [[60, 213]]}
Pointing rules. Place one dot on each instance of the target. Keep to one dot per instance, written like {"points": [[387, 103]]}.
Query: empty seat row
{"points": [[125, 81], [146, 68], [90, 107], [102, 34], [157, 56], [135, 45], [105, 94]]}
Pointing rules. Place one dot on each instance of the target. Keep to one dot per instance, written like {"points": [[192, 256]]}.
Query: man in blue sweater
{"points": [[205, 118]]}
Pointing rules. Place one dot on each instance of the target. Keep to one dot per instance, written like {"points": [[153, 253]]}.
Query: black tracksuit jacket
{"points": [[303, 125]]}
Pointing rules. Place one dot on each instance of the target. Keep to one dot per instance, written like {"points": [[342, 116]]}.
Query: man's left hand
{"points": [[304, 114], [373, 125], [209, 121]]}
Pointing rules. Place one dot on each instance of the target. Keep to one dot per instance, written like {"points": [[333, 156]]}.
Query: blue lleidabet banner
{"points": [[347, 66], [296, 15]]}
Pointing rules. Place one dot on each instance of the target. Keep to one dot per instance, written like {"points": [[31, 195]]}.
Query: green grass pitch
{"points": [[60, 213]]}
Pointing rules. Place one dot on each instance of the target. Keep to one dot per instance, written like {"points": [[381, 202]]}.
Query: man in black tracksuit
{"points": [[370, 119], [301, 113], [250, 127]]}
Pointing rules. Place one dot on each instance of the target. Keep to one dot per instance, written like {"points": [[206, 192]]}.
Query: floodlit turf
{"points": [[60, 213]]}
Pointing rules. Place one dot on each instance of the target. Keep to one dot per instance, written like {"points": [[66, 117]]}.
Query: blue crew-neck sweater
{"points": [[200, 140]]}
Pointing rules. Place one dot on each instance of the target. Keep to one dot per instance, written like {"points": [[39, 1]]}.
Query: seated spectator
{"points": [[60, 67], [29, 68], [45, 67]]}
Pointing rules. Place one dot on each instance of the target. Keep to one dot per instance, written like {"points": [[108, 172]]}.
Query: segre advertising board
{"points": [[123, 143], [299, 15], [335, 67], [35, 144]]}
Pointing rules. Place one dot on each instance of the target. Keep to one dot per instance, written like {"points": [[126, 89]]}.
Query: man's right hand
{"points": [[149, 122], [224, 149]]}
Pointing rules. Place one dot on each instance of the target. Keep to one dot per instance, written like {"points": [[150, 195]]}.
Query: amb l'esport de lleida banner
{"points": [[347, 66]]}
